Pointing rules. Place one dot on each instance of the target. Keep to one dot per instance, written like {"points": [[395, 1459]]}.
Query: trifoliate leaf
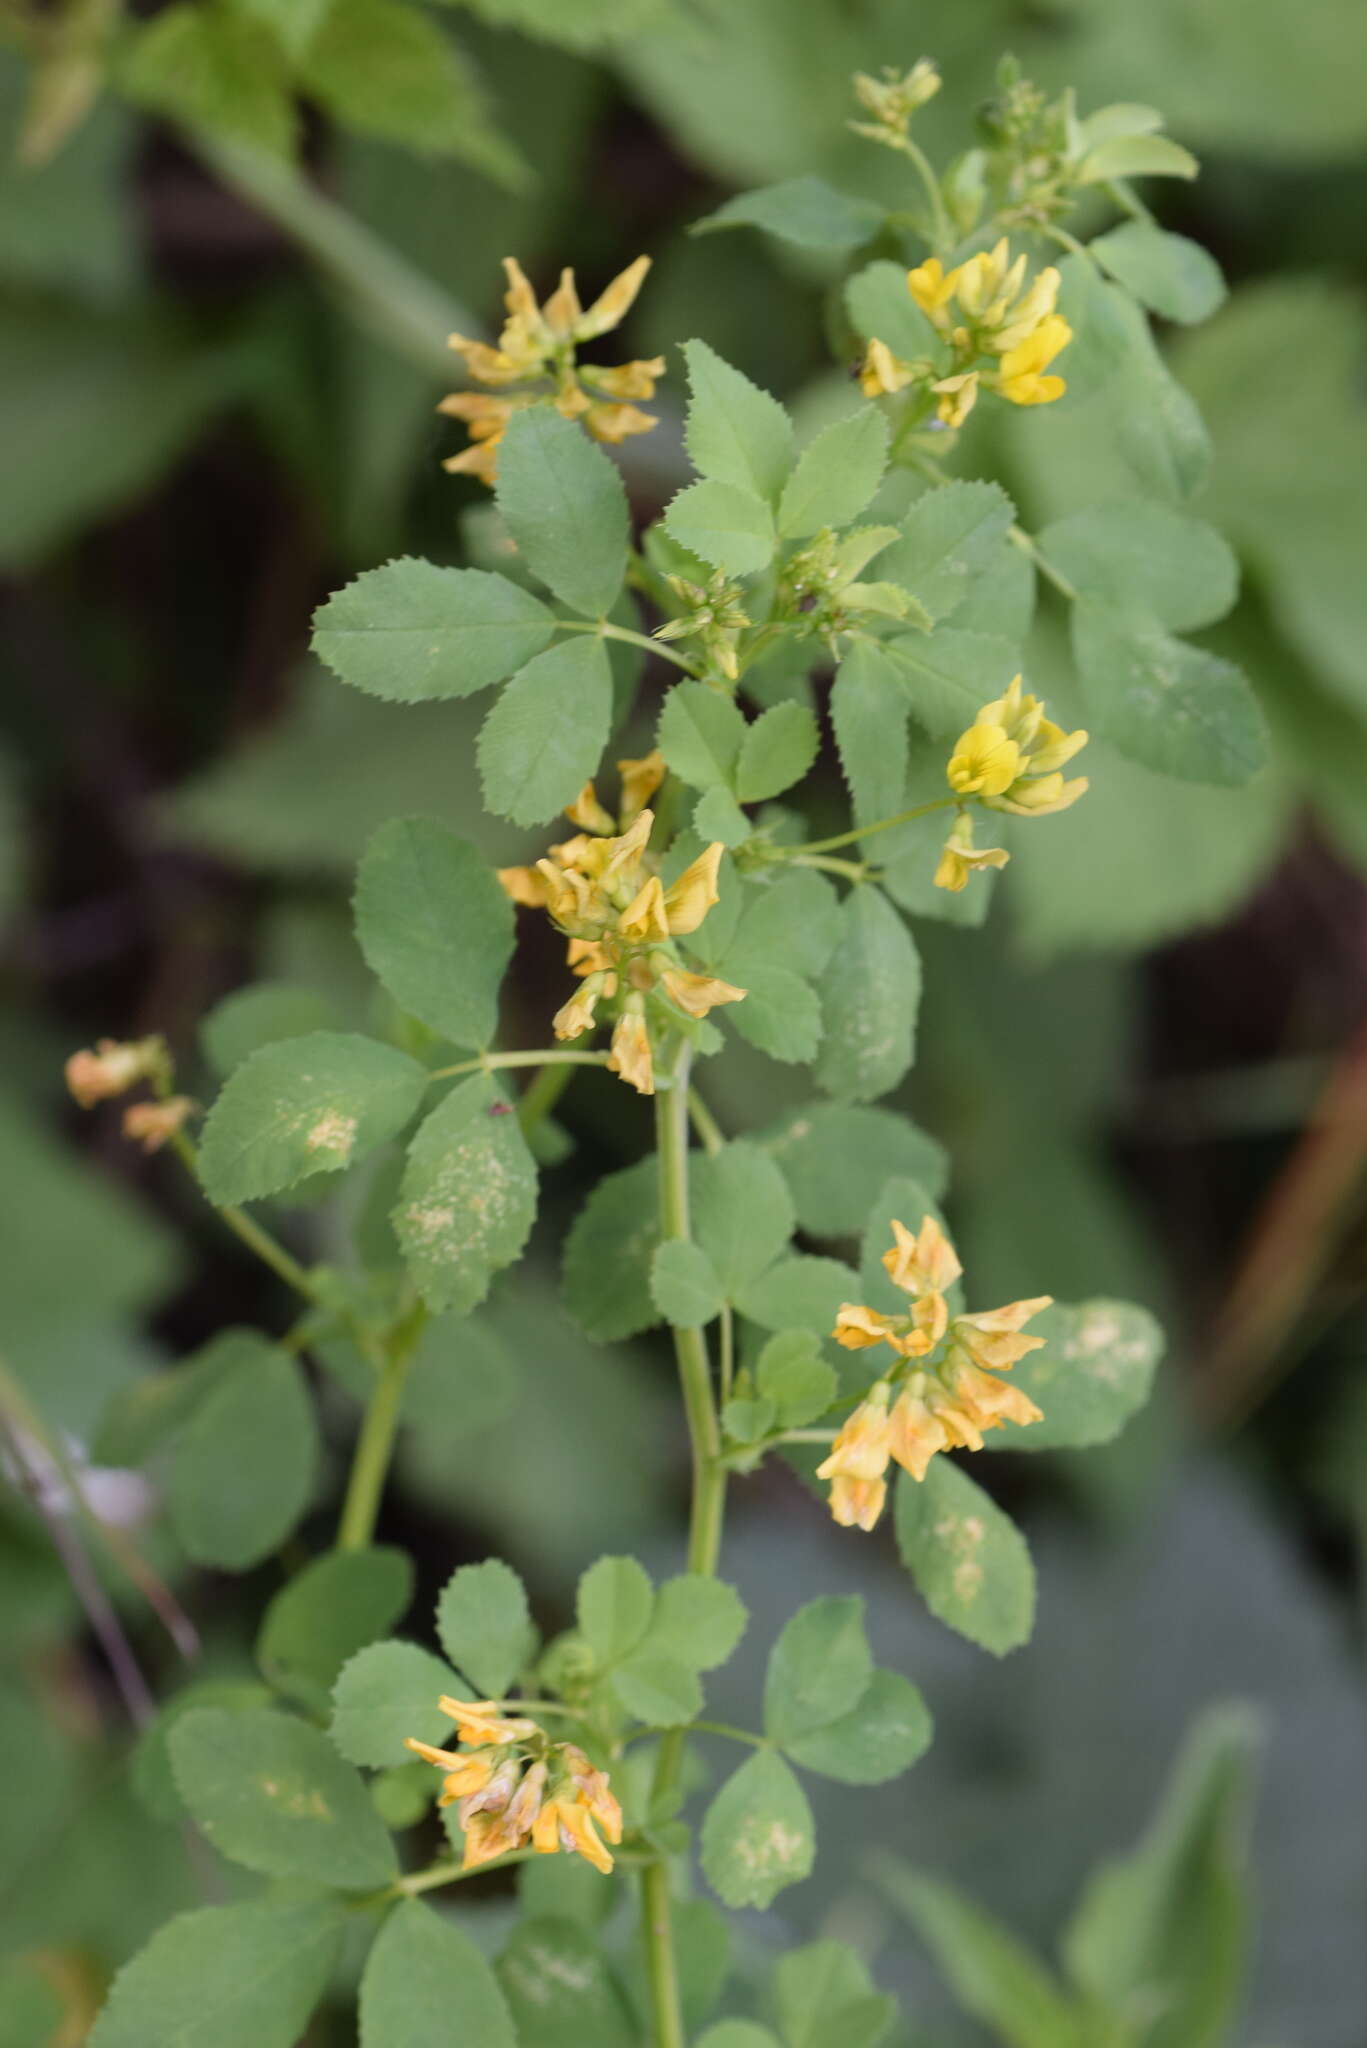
{"points": [[836, 475], [727, 525], [758, 1834], [565, 506], [545, 734], [484, 1625], [409, 630]]}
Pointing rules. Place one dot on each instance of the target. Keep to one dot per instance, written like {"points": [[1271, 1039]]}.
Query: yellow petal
{"points": [[645, 916], [688, 900], [698, 993], [586, 811], [630, 1054], [562, 310], [612, 305], [640, 780]]}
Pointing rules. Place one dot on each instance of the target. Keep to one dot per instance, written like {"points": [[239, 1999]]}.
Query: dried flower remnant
{"points": [[516, 1787]]}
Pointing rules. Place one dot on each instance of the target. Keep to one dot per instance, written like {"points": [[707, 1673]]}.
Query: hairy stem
{"points": [[704, 1541]]}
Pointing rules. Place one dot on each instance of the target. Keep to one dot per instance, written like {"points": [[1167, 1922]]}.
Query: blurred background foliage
{"points": [[217, 381]]}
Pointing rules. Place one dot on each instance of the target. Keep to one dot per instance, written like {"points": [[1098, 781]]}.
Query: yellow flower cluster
{"points": [[1003, 332], [922, 1406], [519, 1787], [601, 890], [534, 362], [1010, 759]]}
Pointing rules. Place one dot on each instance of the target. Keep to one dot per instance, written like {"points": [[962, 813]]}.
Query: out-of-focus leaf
{"points": [[67, 223], [223, 1975], [214, 67], [807, 211]]}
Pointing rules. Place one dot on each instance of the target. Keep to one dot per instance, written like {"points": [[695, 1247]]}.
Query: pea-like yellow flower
{"points": [[958, 396], [960, 858], [640, 780], [630, 1053], [1022, 376], [696, 994], [924, 1405], [933, 288], [520, 1787], [534, 363], [581, 1804], [882, 373], [984, 763], [481, 1721]]}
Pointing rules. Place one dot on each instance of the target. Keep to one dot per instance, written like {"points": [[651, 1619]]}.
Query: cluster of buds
{"points": [[1001, 333], [601, 889], [112, 1068], [513, 1785], [1027, 141], [1010, 759], [893, 98], [821, 586], [927, 1403], [712, 615], [533, 363]]}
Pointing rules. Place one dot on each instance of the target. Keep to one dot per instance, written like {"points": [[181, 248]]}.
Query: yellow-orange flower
{"points": [[1022, 376]]}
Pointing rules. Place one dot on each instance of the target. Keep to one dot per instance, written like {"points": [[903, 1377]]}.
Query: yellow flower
{"points": [[627, 380], [994, 1338], [958, 396], [984, 761], [586, 811], [858, 1459], [688, 900], [575, 1017], [152, 1123], [696, 994], [613, 304], [640, 780], [987, 282], [932, 287], [924, 1262], [857, 1327], [1033, 307], [630, 1053], [481, 1721], [1041, 797], [1022, 378], [524, 885], [882, 372], [916, 1432], [975, 1401], [616, 423], [645, 916], [464, 1774], [112, 1069], [961, 858]]}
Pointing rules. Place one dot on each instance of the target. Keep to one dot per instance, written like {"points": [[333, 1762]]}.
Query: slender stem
{"points": [[1129, 202], [452, 1873], [942, 803], [375, 1444], [732, 1734], [942, 230], [605, 631], [726, 1351], [852, 870], [1067, 241], [704, 1123], [552, 1056], [258, 1240], [1028, 545], [704, 1542]]}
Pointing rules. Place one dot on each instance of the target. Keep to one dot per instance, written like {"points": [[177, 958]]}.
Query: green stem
{"points": [[942, 803], [1129, 202], [704, 1541], [249, 1231], [452, 1873], [375, 1444], [726, 1351], [551, 1057], [541, 1097], [942, 230], [852, 870], [1028, 545], [605, 631], [391, 298], [705, 1124]]}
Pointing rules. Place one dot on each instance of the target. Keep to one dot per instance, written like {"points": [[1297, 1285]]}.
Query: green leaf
{"points": [[261, 1015], [881, 308], [1162, 1936], [1095, 1372], [561, 1990], [791, 1373], [818, 1669], [726, 524], [213, 68], [150, 1411], [804, 211], [997, 1978], [565, 506], [779, 748], [468, 1196], [1171, 275], [150, 1772], [746, 1422], [717, 815], [608, 1255], [836, 475], [614, 1606], [780, 1014], [791, 921], [422, 1972], [564, 1888], [1136, 156], [658, 1687], [869, 719], [272, 1793], [735, 433], [387, 1692], [700, 1620], [738, 2034], [1108, 338], [325, 1614], [484, 1625], [295, 22], [386, 69], [870, 993], [968, 1559], [545, 734], [948, 674], [435, 927], [244, 1466], [701, 735], [882, 1734], [823, 1994], [1159, 427], [758, 1834], [410, 631], [742, 1213], [1147, 555], [684, 1284], [1172, 707], [307, 1105], [948, 538], [800, 1293], [224, 1976], [836, 1158]]}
